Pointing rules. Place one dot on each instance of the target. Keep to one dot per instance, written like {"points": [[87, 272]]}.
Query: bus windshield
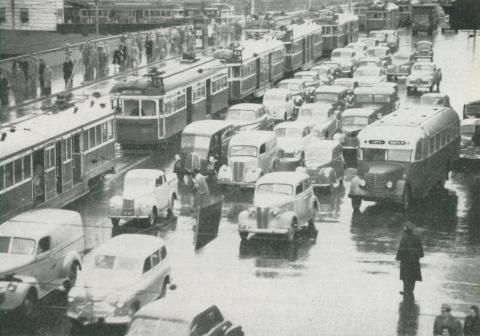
{"points": [[243, 151], [355, 121], [194, 141], [380, 154]]}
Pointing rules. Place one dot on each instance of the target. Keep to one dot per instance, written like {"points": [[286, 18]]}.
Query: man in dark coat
{"points": [[446, 324], [409, 253], [472, 322]]}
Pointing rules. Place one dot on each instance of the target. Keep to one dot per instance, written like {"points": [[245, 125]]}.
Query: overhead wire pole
{"points": [[96, 17]]}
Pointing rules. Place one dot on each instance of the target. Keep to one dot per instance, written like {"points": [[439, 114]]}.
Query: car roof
{"points": [[38, 223], [283, 177], [246, 106], [344, 80], [150, 173], [292, 124], [470, 121], [374, 89], [322, 143], [130, 245], [379, 48], [331, 89], [317, 105], [206, 127], [252, 138], [292, 80], [311, 72], [279, 90], [371, 58], [343, 49], [357, 112]]}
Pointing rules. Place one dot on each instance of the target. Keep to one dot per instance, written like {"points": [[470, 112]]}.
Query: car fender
{"points": [[25, 284], [115, 206], [400, 188], [225, 172], [69, 259], [284, 220]]}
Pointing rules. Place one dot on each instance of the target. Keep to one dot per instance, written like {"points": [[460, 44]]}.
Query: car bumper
{"points": [[374, 198], [263, 231], [228, 182], [86, 317], [420, 87]]}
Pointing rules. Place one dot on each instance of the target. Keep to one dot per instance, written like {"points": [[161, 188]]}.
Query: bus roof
{"points": [[47, 127], [205, 127]]}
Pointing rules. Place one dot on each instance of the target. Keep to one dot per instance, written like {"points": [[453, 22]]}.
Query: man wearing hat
{"points": [[446, 324], [409, 253]]}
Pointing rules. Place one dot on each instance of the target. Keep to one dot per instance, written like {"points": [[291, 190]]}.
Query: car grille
{"points": [[128, 207], [238, 171], [262, 217], [376, 184]]}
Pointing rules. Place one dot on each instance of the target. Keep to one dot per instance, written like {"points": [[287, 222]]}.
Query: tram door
{"points": [[258, 71], [208, 85], [76, 159], [39, 176], [58, 166], [50, 172], [189, 105]]}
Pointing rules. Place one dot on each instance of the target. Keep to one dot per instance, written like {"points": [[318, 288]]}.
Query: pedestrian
{"points": [[86, 62], [48, 77], [446, 323], [95, 64], [4, 88], [139, 42], [18, 83], [118, 58], [68, 72], [409, 253], [149, 48], [471, 326], [125, 56], [200, 188], [41, 81], [32, 77]]}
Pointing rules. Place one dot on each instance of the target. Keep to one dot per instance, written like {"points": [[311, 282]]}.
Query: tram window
{"points": [[18, 170], [148, 108], [104, 132], [91, 133], [69, 148], [432, 145], [98, 134], [437, 141], [236, 71], [110, 129], [51, 155], [9, 174], [130, 107], [64, 150], [27, 166], [2, 176], [444, 137], [85, 140]]}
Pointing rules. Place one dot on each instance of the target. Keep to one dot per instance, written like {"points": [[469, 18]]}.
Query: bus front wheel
{"points": [[356, 203]]}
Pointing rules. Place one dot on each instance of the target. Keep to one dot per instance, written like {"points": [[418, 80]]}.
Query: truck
{"points": [[424, 18]]}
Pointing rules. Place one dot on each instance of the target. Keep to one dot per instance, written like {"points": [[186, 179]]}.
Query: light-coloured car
{"points": [[470, 139], [39, 251], [295, 85], [278, 103], [393, 40], [380, 35], [383, 53], [291, 137], [284, 204], [370, 41], [359, 47], [348, 59], [248, 116], [251, 154], [435, 98], [324, 162], [146, 195], [401, 65], [332, 94], [367, 76], [425, 76], [312, 81], [117, 278], [320, 116], [325, 72], [423, 50]]}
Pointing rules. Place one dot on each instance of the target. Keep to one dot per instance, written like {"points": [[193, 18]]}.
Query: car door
{"points": [[263, 157], [147, 285], [161, 197], [299, 203], [43, 270]]}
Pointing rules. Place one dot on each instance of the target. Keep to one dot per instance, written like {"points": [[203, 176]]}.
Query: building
{"points": [[31, 14]]}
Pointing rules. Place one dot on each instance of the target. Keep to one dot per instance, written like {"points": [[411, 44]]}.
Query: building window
{"points": [[2, 15], [24, 15]]}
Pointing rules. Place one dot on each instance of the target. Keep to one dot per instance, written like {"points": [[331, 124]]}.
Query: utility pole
{"points": [[13, 14], [96, 17]]}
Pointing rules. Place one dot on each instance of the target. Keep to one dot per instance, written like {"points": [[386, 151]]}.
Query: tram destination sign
{"points": [[376, 142]]}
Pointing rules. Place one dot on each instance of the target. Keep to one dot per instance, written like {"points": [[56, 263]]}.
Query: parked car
{"points": [[370, 41], [335, 95], [325, 72], [146, 195], [353, 120], [383, 53], [248, 117], [296, 86], [347, 58], [251, 155], [425, 76], [437, 99], [359, 47], [393, 40], [423, 50], [204, 146], [371, 62], [336, 67], [383, 100], [178, 315], [401, 65], [367, 76], [40, 251], [291, 136], [118, 277], [471, 110], [470, 139], [380, 35], [284, 204], [349, 83], [321, 116], [279, 104], [324, 162], [312, 81]]}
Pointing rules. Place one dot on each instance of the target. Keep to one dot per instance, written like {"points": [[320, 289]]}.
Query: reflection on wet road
{"points": [[345, 283]]}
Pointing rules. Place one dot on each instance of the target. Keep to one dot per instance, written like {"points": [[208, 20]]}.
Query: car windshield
{"points": [[290, 86], [400, 57], [306, 78], [234, 114], [378, 154], [376, 52], [423, 67], [372, 98], [325, 96], [243, 151], [144, 326], [136, 183], [276, 188], [116, 263], [354, 121], [16, 245], [424, 46], [367, 72], [288, 132], [342, 54], [195, 141], [313, 113], [425, 100]]}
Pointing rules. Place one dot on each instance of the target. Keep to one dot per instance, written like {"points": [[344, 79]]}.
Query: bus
{"points": [[338, 30], [154, 108], [402, 156], [380, 16], [54, 158]]}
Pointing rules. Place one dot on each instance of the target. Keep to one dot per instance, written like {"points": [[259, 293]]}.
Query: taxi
{"points": [[248, 116], [118, 277], [470, 139], [147, 193], [291, 137], [279, 104], [284, 205], [320, 116], [251, 154]]}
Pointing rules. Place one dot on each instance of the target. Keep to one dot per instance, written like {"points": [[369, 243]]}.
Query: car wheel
{"points": [[407, 199], [243, 235], [171, 206], [115, 221], [152, 218], [29, 306], [72, 273], [356, 203]]}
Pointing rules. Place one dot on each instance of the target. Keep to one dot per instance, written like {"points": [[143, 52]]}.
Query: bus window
{"points": [[130, 107], [444, 137], [160, 107], [374, 154], [419, 151], [403, 155], [148, 108], [18, 170], [1, 178]]}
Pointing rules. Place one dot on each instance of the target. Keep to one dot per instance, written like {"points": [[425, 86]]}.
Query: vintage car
{"points": [[312, 81], [353, 121], [40, 251], [296, 86], [146, 195], [204, 146], [251, 154], [347, 58], [367, 76], [291, 136], [382, 100], [471, 110], [470, 139], [324, 162], [335, 95], [336, 67], [425, 76], [435, 98], [393, 40], [383, 53], [118, 277], [325, 72], [248, 117], [371, 62], [380, 35], [401, 65], [370, 41], [278, 103], [359, 47], [349, 83], [284, 204], [321, 116], [182, 315], [423, 49]]}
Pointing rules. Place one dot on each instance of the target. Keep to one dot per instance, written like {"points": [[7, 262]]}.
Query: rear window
{"points": [[276, 188]]}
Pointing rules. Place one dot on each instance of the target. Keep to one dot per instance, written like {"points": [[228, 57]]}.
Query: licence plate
{"points": [[128, 212]]}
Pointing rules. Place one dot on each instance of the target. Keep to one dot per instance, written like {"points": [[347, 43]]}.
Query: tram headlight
{"points": [[389, 184], [362, 183]]}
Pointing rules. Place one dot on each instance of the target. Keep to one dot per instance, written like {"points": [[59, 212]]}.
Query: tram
{"points": [[154, 108], [338, 30], [380, 16], [54, 158], [254, 67], [404, 12]]}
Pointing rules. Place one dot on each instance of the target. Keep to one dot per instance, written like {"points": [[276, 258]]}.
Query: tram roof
{"points": [[47, 127], [300, 30], [205, 127], [252, 48]]}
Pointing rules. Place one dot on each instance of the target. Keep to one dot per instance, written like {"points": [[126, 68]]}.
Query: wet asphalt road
{"points": [[346, 283]]}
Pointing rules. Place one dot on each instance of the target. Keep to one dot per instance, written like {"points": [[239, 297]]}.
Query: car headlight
{"points": [[120, 304], [177, 157], [12, 287], [389, 184], [275, 212], [363, 184]]}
